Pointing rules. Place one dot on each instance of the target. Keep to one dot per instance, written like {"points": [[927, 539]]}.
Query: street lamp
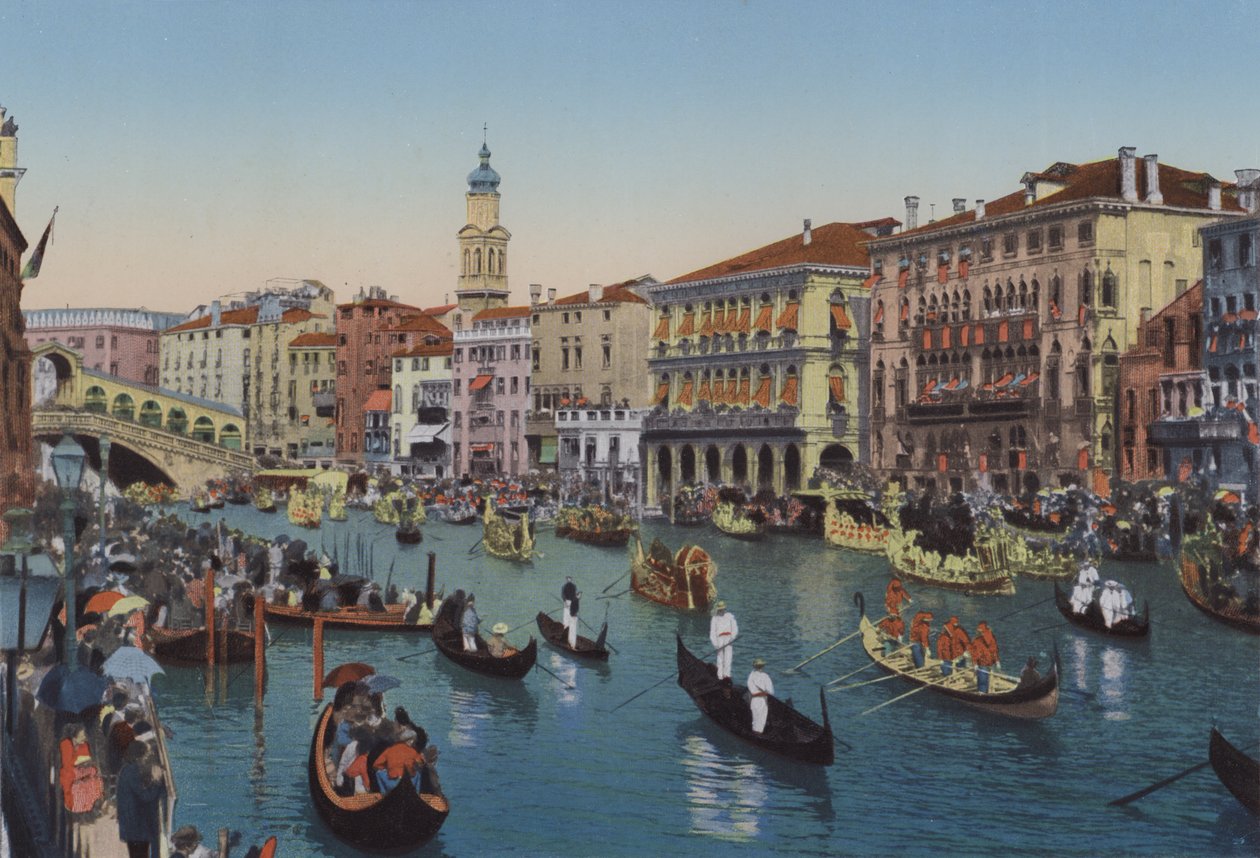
{"points": [[28, 589], [67, 462], [105, 445]]}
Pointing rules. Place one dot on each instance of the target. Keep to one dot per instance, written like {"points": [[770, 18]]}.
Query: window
{"points": [[564, 357], [100, 341], [1244, 251], [498, 385], [459, 355], [1109, 289], [607, 355], [577, 317], [516, 352], [1214, 254], [341, 367], [1085, 232], [577, 357], [536, 359], [986, 249], [564, 318], [608, 315], [1055, 237], [1010, 244], [1034, 241], [459, 419], [514, 386]]}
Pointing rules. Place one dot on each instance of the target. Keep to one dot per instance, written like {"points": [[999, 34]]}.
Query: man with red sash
{"points": [[759, 688]]}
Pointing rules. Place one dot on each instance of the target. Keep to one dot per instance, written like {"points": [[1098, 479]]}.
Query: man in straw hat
{"points": [[498, 645], [722, 633], [759, 688]]}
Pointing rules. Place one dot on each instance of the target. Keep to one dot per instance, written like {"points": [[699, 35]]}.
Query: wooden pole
{"points": [[223, 843], [428, 586], [209, 597], [319, 658], [260, 649]]}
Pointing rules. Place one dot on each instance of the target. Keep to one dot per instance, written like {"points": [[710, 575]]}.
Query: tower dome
{"points": [[483, 180]]}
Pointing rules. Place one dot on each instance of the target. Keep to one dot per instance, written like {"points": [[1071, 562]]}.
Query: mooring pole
{"points": [[428, 587], [318, 646], [260, 648]]}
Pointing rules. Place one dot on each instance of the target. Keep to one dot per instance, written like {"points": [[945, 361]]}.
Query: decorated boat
{"points": [[999, 548], [264, 500], [732, 521], [974, 573], [1239, 772], [1224, 608], [506, 535], [1006, 695], [1092, 619], [397, 821], [593, 525], [200, 501], [462, 514], [850, 522], [337, 507], [306, 508], [554, 633], [683, 581], [787, 731]]}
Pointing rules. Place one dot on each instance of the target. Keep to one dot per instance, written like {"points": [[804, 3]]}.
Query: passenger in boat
{"points": [[498, 645], [567, 594], [1029, 676], [760, 687], [399, 760], [352, 769], [920, 636], [952, 643], [1116, 603], [469, 623], [330, 599], [723, 630], [895, 595], [1082, 597], [984, 655]]}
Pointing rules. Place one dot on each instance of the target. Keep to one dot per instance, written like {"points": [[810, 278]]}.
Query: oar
{"points": [[1051, 626], [614, 595], [591, 630], [615, 583], [558, 679], [1158, 785], [673, 675], [867, 682], [474, 545], [824, 652], [840, 679], [924, 687], [1025, 608]]}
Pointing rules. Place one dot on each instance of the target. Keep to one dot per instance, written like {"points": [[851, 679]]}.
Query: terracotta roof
{"points": [[439, 310], [442, 349], [875, 224], [377, 302], [1100, 179], [619, 293], [313, 340], [503, 313], [422, 322], [245, 316], [831, 244], [378, 400]]}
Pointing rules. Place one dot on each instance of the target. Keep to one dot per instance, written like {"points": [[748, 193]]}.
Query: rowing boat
{"points": [[683, 581], [1092, 619], [787, 732], [507, 536], [450, 642], [554, 633], [400, 820], [1006, 696], [1238, 772], [394, 618], [188, 646], [1191, 578]]}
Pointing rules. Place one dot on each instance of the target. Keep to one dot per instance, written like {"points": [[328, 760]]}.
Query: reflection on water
{"points": [[1114, 683], [566, 669], [724, 798], [469, 712], [1080, 653], [481, 704]]}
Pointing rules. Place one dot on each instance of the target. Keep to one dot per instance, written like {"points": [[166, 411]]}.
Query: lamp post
{"points": [[105, 445], [28, 590], [67, 462]]}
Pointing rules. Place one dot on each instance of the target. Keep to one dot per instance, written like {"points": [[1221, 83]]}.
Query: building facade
{"points": [[311, 399], [121, 342], [422, 408], [377, 451], [600, 444], [490, 393], [760, 365], [997, 331], [16, 468], [588, 348], [483, 241]]}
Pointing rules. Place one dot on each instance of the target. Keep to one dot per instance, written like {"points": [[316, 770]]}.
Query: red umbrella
{"points": [[102, 602], [352, 672]]}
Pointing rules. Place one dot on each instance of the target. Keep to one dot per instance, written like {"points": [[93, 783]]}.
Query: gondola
{"points": [[1239, 772], [188, 646], [615, 538], [409, 535], [1092, 619], [468, 516], [554, 633], [507, 535], [394, 618], [787, 732], [733, 523], [1004, 697], [399, 820], [683, 581], [1191, 578], [450, 642], [238, 498]]}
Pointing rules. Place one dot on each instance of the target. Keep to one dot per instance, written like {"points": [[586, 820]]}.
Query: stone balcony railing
{"points": [[711, 420], [154, 440], [1174, 432]]}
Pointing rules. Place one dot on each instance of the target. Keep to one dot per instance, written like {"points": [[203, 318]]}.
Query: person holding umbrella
{"points": [[141, 791]]}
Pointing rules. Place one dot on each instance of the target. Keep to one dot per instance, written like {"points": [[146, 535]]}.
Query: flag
{"points": [[31, 270]]}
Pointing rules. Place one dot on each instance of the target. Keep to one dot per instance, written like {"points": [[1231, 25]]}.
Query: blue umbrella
{"points": [[71, 692], [129, 662], [378, 683]]}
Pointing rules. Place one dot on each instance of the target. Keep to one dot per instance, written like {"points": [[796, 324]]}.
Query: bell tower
{"points": [[483, 241], [10, 172]]}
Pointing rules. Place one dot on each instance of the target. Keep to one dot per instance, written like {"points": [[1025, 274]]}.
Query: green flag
{"points": [[31, 270]]}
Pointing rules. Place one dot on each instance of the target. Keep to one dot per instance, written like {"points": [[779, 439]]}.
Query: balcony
{"points": [[1176, 433], [839, 424], [711, 421]]}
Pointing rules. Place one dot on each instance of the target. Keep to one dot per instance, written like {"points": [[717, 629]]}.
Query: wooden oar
{"points": [[867, 682], [924, 687], [672, 675], [615, 595], [588, 625], [1025, 608], [558, 679], [1051, 626], [840, 679], [614, 583], [794, 668], [1158, 785], [475, 544]]}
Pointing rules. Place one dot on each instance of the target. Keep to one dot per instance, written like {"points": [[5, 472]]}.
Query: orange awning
{"points": [[764, 314], [684, 398], [703, 394], [1028, 380], [719, 390], [742, 325], [479, 382], [662, 329], [787, 319], [869, 282], [1006, 379], [688, 326], [789, 390], [762, 396], [1028, 329], [732, 390], [945, 332], [905, 310], [719, 321], [744, 384], [1004, 331], [902, 278], [482, 448], [836, 383], [841, 317], [879, 312], [662, 391], [706, 327]]}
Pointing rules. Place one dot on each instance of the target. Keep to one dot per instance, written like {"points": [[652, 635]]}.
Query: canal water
{"points": [[535, 768]]}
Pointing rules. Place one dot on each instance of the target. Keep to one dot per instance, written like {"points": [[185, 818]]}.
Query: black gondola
{"points": [[1092, 619], [450, 642], [553, 632], [1239, 772], [409, 535], [238, 498], [787, 732], [399, 820]]}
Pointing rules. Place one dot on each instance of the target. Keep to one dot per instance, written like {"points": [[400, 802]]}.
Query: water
{"points": [[537, 769]]}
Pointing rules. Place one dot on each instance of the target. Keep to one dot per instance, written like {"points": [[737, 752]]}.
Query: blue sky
{"points": [[202, 149]]}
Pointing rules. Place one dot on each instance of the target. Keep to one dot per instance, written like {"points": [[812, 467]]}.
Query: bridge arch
{"points": [[96, 400], [203, 430], [150, 414], [124, 407]]}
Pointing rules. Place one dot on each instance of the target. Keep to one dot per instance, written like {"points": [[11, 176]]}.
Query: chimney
{"points": [[960, 205], [1144, 316], [979, 209], [1153, 196], [1030, 191], [1214, 195], [1248, 189], [912, 213], [215, 313], [535, 293], [551, 294], [808, 234], [1128, 174], [446, 297], [596, 293]]}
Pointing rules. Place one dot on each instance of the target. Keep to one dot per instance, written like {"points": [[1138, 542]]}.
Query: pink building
{"points": [[490, 393], [120, 342]]}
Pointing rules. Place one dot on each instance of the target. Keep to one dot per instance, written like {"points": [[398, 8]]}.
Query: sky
{"points": [[199, 150]]}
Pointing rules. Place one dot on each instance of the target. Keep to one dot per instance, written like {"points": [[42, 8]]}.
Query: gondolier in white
{"points": [[1116, 603], [469, 623], [1083, 591], [573, 619], [722, 633], [759, 688], [567, 594]]}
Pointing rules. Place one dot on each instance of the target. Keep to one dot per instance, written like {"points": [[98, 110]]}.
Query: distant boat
{"points": [[1191, 577], [683, 581], [507, 536], [188, 646], [1092, 619], [554, 633], [394, 618], [1239, 772]]}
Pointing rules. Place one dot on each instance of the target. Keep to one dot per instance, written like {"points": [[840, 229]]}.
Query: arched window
{"points": [[1109, 284], [467, 262], [988, 299], [966, 304], [203, 430], [477, 261], [95, 400], [124, 407], [1023, 294], [230, 437], [490, 261], [1036, 293], [176, 421], [398, 399], [150, 414], [1086, 288]]}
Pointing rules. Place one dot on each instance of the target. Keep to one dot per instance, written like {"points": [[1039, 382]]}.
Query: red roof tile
{"points": [[378, 400], [313, 340], [502, 313], [439, 310], [422, 322], [619, 293], [377, 302], [442, 349], [244, 316], [831, 244]]}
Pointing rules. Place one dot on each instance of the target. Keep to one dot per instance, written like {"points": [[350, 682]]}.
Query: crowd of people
{"points": [[370, 752]]}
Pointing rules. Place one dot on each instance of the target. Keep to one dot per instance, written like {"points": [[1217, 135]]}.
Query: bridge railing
{"points": [[154, 440]]}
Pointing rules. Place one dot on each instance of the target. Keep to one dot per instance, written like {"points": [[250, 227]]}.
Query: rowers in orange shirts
{"points": [[895, 595], [984, 655], [920, 636]]}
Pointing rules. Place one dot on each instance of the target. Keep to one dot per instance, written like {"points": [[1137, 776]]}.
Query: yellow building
{"points": [[759, 365], [310, 399], [421, 403]]}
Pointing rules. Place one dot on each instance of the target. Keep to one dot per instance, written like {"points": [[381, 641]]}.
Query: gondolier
{"points": [[920, 636], [567, 594], [759, 688], [723, 630], [469, 624], [895, 595], [984, 654], [572, 616]]}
